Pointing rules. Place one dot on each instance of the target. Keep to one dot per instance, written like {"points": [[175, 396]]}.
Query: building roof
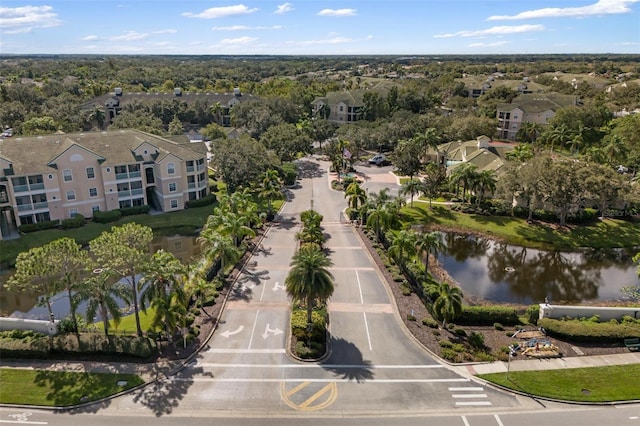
{"points": [[489, 158], [532, 103], [349, 97], [38, 153], [188, 97]]}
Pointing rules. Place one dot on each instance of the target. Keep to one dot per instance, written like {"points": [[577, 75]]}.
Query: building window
{"points": [[71, 195], [73, 212], [174, 204], [91, 174], [171, 168], [93, 192], [95, 208], [68, 177], [172, 187]]}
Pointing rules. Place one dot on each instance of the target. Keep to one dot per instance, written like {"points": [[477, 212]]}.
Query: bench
{"points": [[632, 344]]}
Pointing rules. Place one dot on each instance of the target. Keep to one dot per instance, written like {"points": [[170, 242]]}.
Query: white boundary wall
{"points": [[605, 313], [41, 326]]}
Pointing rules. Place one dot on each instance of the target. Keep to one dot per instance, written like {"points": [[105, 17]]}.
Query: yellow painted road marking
{"points": [[297, 388], [331, 389]]}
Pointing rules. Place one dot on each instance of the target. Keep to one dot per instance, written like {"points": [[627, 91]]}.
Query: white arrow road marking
{"points": [[277, 286], [268, 330], [231, 333]]}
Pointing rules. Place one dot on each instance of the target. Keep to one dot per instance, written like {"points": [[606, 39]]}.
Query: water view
{"points": [[24, 305], [498, 272]]}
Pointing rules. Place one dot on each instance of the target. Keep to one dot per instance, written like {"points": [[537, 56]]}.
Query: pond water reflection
{"points": [[23, 305], [503, 273]]}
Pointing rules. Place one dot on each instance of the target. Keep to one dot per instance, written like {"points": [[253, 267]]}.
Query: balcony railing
{"points": [[201, 167], [42, 205], [191, 169], [120, 176], [36, 186], [136, 191], [24, 207], [191, 185], [125, 193], [134, 174], [20, 188]]}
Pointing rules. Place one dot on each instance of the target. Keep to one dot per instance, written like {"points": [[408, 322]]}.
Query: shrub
{"points": [[411, 317], [459, 332], [436, 332], [106, 217], [484, 357], [429, 322], [533, 313], [406, 291], [75, 222], [476, 340], [129, 211], [498, 326], [588, 331], [299, 324], [204, 201], [449, 355], [33, 227], [445, 344], [66, 324], [288, 173], [488, 315]]}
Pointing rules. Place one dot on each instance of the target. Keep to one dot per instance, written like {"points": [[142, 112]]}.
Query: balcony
{"points": [[135, 174], [136, 191], [42, 205], [24, 207], [36, 186], [191, 185], [201, 167], [125, 193], [20, 188], [120, 176], [191, 169]]}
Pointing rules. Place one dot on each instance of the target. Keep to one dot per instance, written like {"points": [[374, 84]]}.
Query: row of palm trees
{"points": [[381, 214]]}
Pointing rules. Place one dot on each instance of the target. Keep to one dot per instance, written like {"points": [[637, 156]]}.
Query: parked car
{"points": [[378, 160]]}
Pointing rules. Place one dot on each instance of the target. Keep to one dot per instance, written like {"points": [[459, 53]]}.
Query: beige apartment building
{"points": [[58, 176]]}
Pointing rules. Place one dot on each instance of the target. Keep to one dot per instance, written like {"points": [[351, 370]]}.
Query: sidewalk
{"points": [[520, 364]]}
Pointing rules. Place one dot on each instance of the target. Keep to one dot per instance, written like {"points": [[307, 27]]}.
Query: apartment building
{"points": [[536, 108], [58, 176]]}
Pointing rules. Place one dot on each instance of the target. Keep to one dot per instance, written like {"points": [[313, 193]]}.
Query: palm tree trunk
{"points": [[105, 319]]}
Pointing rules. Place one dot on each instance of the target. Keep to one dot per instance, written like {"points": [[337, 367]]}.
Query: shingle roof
{"points": [[539, 102], [33, 154]]}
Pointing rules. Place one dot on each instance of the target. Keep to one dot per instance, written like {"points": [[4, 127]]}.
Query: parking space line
{"points": [[255, 321]]}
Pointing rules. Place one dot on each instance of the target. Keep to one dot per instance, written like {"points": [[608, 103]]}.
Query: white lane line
{"points": [[469, 395], [330, 380], [364, 314], [465, 421], [498, 420], [262, 293], [246, 351], [470, 389], [471, 403], [255, 321], [321, 366], [24, 422]]}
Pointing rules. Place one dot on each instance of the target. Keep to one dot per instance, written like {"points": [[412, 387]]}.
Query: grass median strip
{"points": [[593, 384], [60, 388]]}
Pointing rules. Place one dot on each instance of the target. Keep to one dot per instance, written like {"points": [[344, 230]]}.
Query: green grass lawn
{"points": [[601, 234], [128, 323], [594, 384], [59, 388]]}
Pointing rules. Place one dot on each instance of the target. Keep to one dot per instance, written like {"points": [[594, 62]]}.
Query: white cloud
{"points": [[601, 7], [494, 44], [26, 18], [221, 12], [337, 12], [246, 28], [283, 8], [134, 35], [90, 38], [240, 41], [499, 30]]}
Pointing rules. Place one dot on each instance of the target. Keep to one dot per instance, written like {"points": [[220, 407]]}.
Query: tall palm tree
{"points": [[412, 187], [166, 275], [216, 110], [271, 188], [403, 246], [427, 242], [234, 225], [356, 195], [309, 278], [559, 135], [485, 181], [447, 303], [102, 295], [463, 175], [378, 219], [218, 247]]}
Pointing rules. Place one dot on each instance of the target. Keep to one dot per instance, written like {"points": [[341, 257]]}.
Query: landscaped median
{"points": [[585, 385]]}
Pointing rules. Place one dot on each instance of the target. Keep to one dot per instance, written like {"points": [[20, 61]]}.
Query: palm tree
{"points": [[447, 303], [356, 195], [166, 275], [102, 295], [235, 226], [97, 115], [412, 186], [170, 312], [403, 246], [463, 175], [309, 278], [271, 188], [520, 153], [560, 134], [426, 243], [378, 219], [202, 289], [311, 218], [485, 181], [218, 247], [216, 110]]}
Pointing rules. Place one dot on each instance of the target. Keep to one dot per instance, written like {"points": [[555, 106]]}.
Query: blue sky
{"points": [[344, 27]]}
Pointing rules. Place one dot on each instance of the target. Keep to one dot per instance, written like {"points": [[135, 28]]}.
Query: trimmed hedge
{"points": [[299, 324], [288, 173], [204, 201], [129, 211], [590, 331], [33, 227], [75, 222], [106, 217], [488, 315], [90, 344]]}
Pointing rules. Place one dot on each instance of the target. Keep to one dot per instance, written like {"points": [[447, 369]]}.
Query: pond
{"points": [[498, 272], [23, 305]]}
